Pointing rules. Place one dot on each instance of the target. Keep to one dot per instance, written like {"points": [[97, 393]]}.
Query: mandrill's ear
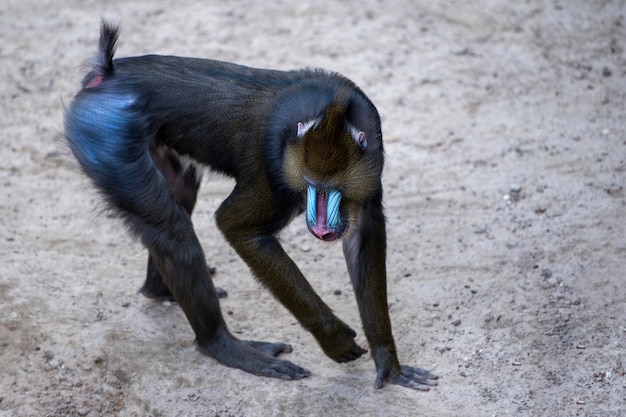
{"points": [[359, 137], [305, 127]]}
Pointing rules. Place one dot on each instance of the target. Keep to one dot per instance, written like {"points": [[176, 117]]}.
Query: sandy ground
{"points": [[505, 175]]}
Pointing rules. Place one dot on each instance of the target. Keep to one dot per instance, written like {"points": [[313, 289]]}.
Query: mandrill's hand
{"points": [[407, 376], [339, 344]]}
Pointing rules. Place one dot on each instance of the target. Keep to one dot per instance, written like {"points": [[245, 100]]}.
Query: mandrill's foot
{"points": [[254, 357], [408, 376]]}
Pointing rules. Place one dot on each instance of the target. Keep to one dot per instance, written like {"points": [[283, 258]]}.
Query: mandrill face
{"points": [[329, 163]]}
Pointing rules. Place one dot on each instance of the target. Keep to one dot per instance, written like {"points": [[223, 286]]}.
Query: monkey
{"points": [[301, 141]]}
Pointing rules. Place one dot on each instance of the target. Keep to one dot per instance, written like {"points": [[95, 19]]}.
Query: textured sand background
{"points": [[516, 297]]}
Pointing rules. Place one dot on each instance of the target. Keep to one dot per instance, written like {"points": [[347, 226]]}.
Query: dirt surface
{"points": [[504, 182]]}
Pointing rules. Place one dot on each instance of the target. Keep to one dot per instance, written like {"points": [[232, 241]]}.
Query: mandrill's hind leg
{"points": [[154, 287], [184, 183]]}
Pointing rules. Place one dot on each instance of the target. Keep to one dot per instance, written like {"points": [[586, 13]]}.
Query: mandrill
{"points": [[294, 141]]}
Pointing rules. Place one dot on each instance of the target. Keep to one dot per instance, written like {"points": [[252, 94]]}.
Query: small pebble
{"points": [[460, 50], [514, 192]]}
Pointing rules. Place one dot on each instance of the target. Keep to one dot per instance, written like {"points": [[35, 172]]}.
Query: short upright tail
{"points": [[102, 63], [108, 41]]}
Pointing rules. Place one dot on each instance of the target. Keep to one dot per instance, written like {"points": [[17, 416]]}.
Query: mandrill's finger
{"points": [[422, 376], [410, 377]]}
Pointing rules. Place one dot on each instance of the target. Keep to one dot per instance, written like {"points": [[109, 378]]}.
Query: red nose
{"points": [[324, 233]]}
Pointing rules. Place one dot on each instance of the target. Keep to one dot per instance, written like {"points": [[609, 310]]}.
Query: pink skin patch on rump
{"points": [[95, 81]]}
